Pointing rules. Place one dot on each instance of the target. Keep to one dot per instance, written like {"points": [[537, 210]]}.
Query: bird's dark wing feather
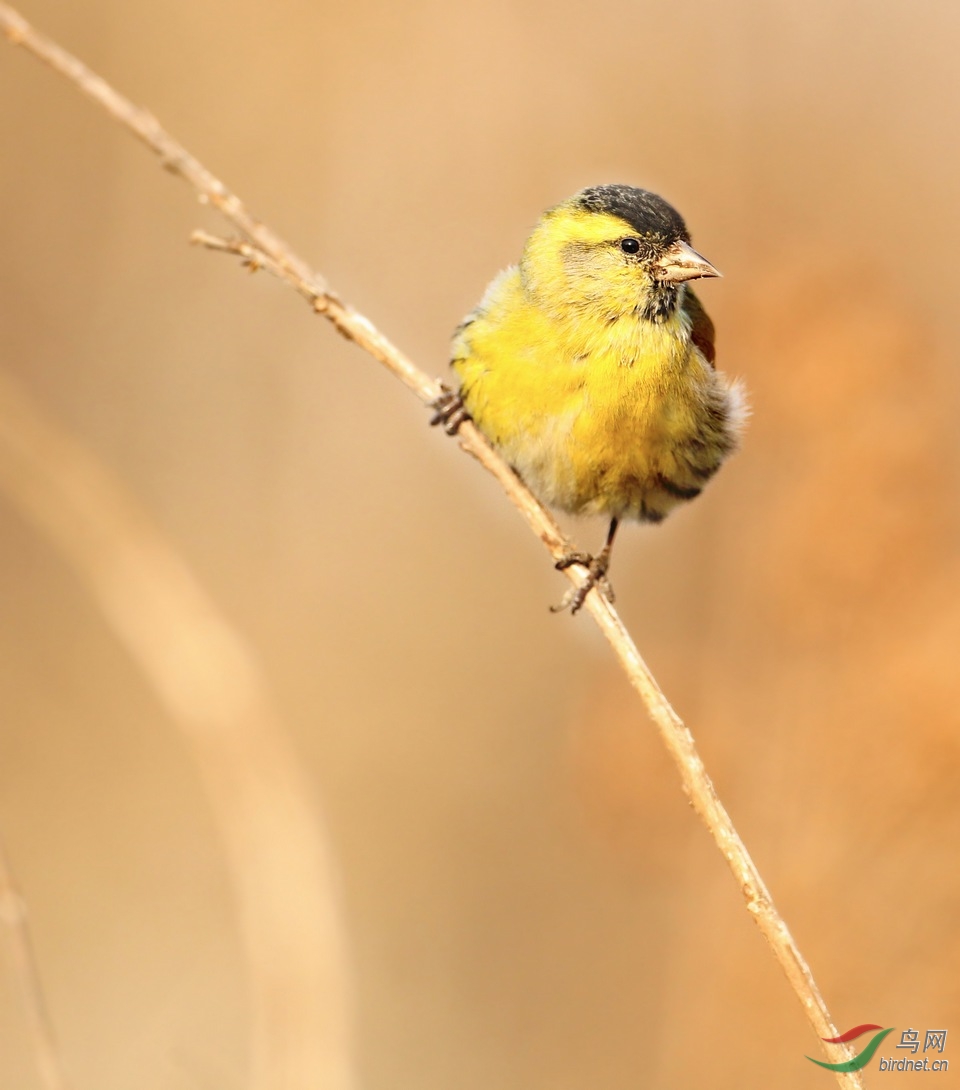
{"points": [[701, 332]]}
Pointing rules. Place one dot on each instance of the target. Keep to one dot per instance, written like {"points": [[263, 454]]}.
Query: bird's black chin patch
{"points": [[660, 302]]}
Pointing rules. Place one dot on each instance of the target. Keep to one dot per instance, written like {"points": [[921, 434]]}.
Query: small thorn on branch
{"points": [[216, 242], [250, 256]]}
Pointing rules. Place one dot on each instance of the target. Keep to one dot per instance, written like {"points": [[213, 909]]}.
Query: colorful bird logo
{"points": [[862, 1058]]}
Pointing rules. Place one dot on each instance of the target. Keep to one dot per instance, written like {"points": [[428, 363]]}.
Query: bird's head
{"points": [[614, 248]]}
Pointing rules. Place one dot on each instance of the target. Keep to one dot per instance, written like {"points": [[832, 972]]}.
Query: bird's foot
{"points": [[448, 410], [596, 577]]}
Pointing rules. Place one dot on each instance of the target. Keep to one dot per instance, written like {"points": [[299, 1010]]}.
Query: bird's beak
{"points": [[682, 262]]}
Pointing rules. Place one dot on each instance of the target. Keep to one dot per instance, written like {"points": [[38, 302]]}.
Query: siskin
{"points": [[590, 366]]}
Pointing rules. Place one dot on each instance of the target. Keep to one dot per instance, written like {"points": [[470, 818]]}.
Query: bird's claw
{"points": [[596, 567], [449, 411]]}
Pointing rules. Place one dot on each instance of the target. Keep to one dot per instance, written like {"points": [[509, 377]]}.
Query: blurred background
{"points": [[529, 901]]}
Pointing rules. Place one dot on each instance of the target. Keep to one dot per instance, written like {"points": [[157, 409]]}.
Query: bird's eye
{"points": [[629, 245]]}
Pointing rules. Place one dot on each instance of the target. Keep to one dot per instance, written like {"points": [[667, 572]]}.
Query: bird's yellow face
{"points": [[590, 255]]}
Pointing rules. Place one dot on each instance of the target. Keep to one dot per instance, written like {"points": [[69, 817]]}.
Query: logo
{"points": [[863, 1058], [934, 1040]]}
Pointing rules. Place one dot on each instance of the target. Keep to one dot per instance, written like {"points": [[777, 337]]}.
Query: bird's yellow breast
{"points": [[597, 414]]}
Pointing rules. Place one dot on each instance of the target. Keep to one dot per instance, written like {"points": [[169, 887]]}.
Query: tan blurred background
{"points": [[529, 901]]}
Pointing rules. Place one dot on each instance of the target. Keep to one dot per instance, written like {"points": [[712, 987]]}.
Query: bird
{"points": [[590, 366]]}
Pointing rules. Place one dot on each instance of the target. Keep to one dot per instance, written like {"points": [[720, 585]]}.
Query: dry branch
{"points": [[259, 247]]}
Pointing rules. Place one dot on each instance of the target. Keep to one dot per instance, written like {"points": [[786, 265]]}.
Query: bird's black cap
{"points": [[649, 215]]}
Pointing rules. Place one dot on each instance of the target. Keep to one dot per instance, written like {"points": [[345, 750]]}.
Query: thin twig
{"points": [[13, 913], [210, 685], [261, 247]]}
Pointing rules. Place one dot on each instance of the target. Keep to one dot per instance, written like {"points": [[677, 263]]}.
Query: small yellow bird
{"points": [[590, 366]]}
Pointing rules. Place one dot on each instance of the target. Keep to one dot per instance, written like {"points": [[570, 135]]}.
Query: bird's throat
{"points": [[659, 303]]}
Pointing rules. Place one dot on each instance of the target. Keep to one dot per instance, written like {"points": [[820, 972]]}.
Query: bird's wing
{"points": [[701, 328]]}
